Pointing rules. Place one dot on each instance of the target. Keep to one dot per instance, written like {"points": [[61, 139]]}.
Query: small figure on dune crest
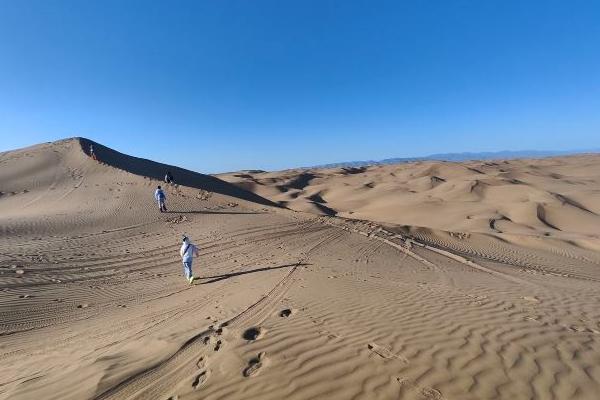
{"points": [[187, 252], [160, 197], [92, 154], [169, 177]]}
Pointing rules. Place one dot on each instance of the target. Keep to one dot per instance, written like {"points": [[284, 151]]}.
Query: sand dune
{"points": [[555, 197], [453, 281]]}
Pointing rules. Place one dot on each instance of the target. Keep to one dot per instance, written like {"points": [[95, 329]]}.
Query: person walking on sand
{"points": [[168, 177], [187, 252], [160, 197], [92, 154]]}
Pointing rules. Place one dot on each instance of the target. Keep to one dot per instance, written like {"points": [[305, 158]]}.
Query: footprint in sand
{"points": [[200, 379], [410, 388], [252, 333], [386, 353], [218, 345], [285, 313], [220, 331], [254, 365]]}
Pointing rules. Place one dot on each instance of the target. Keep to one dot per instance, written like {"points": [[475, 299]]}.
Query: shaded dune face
{"points": [[58, 186], [156, 170], [558, 197]]}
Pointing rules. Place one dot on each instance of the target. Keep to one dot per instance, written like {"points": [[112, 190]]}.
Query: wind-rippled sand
{"points": [[416, 301]]}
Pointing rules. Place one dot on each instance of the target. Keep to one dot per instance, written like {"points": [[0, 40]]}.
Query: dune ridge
{"points": [[555, 197]]}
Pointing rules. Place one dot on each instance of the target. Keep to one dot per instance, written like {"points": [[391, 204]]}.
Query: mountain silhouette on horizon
{"points": [[463, 156]]}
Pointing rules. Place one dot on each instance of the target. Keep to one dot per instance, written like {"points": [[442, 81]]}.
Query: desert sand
{"points": [[428, 280]]}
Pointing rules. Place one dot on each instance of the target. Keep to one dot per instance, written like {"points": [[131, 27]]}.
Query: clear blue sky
{"points": [[225, 85]]}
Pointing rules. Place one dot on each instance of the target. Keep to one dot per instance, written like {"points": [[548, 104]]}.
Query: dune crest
{"points": [[557, 197], [61, 182]]}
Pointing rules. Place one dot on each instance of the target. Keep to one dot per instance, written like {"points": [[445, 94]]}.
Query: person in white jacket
{"points": [[160, 198], [188, 251]]}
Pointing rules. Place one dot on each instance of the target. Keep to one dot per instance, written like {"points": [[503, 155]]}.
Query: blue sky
{"points": [[224, 85]]}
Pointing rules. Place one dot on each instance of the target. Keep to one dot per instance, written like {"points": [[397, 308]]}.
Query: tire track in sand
{"points": [[159, 379]]}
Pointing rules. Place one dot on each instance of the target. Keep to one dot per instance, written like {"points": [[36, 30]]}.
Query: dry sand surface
{"points": [[556, 197], [463, 281]]}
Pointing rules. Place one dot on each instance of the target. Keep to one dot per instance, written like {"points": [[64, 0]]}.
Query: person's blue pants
{"points": [[187, 269]]}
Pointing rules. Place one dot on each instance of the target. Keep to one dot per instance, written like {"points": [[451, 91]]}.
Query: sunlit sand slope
{"points": [[556, 197], [287, 304]]}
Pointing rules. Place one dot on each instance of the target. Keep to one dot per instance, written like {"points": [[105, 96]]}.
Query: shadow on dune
{"points": [[217, 278], [301, 181], [156, 170]]}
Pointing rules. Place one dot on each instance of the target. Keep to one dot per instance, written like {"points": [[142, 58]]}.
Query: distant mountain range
{"points": [[488, 155]]}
